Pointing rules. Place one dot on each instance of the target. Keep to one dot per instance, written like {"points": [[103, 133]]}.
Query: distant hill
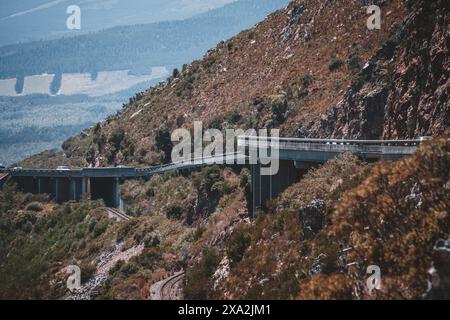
{"points": [[136, 48], [31, 20]]}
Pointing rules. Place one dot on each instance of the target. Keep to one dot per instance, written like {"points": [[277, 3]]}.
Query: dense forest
{"points": [[136, 48]]}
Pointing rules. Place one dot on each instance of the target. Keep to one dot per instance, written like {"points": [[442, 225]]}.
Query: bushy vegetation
{"points": [[394, 218], [238, 243], [199, 277], [35, 243], [391, 214], [335, 63]]}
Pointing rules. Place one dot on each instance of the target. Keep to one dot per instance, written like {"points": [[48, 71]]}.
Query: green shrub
{"points": [[117, 136], [174, 211], [27, 227], [354, 62], [164, 143], [216, 123], [234, 117], [222, 188], [306, 80], [198, 233], [152, 240], [150, 192], [244, 178], [149, 258], [239, 241], [279, 108], [35, 206], [80, 231], [87, 271], [100, 228], [92, 224], [198, 285], [125, 229], [335, 63], [292, 112], [119, 264], [129, 269]]}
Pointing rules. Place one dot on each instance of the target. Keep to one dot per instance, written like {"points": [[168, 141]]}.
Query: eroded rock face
{"points": [[222, 272], [312, 217], [418, 102], [403, 91], [439, 283]]}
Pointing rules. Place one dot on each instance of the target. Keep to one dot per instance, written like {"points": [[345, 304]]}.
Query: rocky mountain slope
{"points": [[318, 238], [299, 71], [403, 91], [310, 69]]}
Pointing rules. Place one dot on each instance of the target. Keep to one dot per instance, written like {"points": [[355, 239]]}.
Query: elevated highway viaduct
{"points": [[297, 155], [294, 155]]}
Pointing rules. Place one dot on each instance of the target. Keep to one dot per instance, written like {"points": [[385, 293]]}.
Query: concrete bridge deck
{"points": [[122, 172], [322, 150]]}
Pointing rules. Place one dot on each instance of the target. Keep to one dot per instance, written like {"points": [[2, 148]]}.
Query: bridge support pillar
{"points": [[116, 193], [106, 188], [84, 185], [56, 189], [73, 189], [255, 187], [265, 188]]}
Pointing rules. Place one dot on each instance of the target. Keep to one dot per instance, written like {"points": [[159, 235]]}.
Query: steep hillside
{"points": [[171, 223], [306, 54], [403, 91], [318, 238]]}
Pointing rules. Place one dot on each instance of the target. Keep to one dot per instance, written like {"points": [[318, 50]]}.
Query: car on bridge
{"points": [[63, 168]]}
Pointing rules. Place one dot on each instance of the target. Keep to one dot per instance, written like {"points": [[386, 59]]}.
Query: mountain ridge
{"points": [[136, 47]]}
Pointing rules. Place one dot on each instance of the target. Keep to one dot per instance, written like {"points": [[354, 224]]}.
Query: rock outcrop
{"points": [[403, 91], [312, 218], [439, 274]]}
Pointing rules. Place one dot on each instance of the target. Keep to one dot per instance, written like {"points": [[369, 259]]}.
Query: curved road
{"points": [[169, 288]]}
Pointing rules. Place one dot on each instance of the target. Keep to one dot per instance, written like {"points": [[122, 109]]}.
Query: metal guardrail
{"points": [[399, 143], [333, 146]]}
